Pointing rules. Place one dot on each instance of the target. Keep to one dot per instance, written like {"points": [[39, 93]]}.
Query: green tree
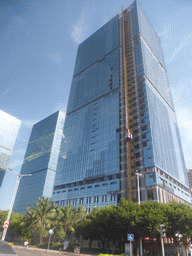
{"points": [[15, 228], [70, 217], [38, 219], [150, 218], [93, 226], [179, 219]]}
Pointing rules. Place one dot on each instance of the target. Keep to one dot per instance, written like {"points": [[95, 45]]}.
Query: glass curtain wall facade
{"points": [[41, 161], [120, 83], [9, 128], [156, 149], [88, 166]]}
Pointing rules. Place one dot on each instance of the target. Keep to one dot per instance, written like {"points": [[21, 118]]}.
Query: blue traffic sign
{"points": [[50, 231], [130, 237]]}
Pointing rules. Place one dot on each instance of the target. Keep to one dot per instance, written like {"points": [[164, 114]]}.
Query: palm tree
{"points": [[70, 217], [39, 217]]}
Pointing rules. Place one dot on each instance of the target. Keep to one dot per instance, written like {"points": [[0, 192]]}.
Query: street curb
{"points": [[49, 251]]}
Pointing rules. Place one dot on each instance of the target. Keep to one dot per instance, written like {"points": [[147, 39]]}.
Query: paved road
{"points": [[32, 252], [21, 251]]}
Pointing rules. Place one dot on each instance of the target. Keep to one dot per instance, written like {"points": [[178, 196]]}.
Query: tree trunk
{"points": [[138, 244], [184, 250], [103, 245], [178, 250], [113, 248], [151, 248]]}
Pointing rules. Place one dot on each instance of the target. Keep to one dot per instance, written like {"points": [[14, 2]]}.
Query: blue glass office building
{"points": [[41, 161], [9, 128], [120, 84]]}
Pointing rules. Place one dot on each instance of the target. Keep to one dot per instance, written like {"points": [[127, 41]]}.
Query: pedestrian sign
{"points": [[130, 237]]}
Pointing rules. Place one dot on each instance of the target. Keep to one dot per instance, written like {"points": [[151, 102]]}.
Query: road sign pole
{"points": [[49, 241], [130, 238], [131, 248], [50, 233], [162, 246]]}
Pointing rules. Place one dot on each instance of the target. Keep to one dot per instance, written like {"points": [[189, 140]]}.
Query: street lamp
{"points": [[19, 176], [138, 189], [178, 238]]}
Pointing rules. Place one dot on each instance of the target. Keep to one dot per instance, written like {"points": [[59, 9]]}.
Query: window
{"points": [[137, 155], [89, 200], [144, 136], [144, 128], [142, 121], [104, 198], [136, 139], [145, 144], [136, 146], [112, 197], [96, 199], [81, 200], [142, 107], [137, 163], [150, 195]]}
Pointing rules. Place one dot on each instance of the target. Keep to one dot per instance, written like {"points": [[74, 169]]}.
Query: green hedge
{"points": [[52, 246], [105, 254]]}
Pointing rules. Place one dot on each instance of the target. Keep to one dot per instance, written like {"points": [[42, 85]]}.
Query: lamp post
{"points": [[19, 176], [178, 238], [139, 202]]}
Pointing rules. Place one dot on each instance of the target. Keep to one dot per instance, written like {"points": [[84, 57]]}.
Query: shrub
{"points": [[56, 246], [70, 247], [101, 254]]}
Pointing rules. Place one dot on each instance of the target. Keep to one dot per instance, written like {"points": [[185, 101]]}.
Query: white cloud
{"points": [[181, 92], [55, 56], [184, 117], [180, 47], [6, 92], [79, 27]]}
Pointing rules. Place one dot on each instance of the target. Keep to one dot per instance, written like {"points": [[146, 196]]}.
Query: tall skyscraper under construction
{"points": [[120, 120]]}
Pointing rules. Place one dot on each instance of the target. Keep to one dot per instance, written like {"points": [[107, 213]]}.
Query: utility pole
{"points": [[139, 202], [19, 176], [162, 235]]}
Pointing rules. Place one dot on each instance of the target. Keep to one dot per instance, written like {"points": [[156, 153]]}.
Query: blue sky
{"points": [[39, 41]]}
